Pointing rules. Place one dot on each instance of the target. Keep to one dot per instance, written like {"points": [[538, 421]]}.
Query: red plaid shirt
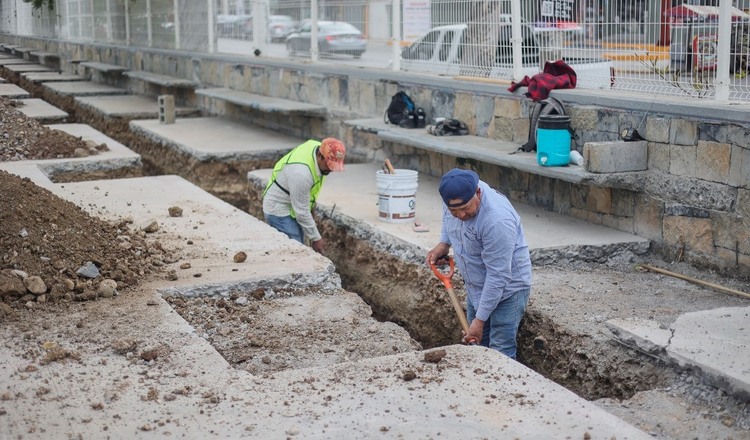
{"points": [[557, 75]]}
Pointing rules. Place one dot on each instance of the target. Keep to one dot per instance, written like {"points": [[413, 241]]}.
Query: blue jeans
{"points": [[501, 328], [287, 225]]}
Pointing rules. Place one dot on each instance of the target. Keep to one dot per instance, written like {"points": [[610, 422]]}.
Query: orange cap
{"points": [[333, 151]]}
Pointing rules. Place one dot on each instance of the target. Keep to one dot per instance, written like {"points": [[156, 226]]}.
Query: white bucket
{"points": [[397, 195]]}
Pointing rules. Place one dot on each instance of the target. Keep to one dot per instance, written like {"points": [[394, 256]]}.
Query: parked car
{"points": [[440, 51], [232, 25], [280, 26], [334, 37]]}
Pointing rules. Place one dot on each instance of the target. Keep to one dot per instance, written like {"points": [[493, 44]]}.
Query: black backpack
{"points": [[549, 106], [401, 111]]}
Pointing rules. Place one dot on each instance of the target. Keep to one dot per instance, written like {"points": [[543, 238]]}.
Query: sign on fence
{"points": [[417, 19], [704, 51]]}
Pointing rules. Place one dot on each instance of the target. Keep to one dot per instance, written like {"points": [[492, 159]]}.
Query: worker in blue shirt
{"points": [[491, 253]]}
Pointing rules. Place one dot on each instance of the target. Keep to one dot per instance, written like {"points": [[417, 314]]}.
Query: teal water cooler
{"points": [[553, 141]]}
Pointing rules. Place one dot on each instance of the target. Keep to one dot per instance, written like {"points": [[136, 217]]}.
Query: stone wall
{"points": [[693, 202]]}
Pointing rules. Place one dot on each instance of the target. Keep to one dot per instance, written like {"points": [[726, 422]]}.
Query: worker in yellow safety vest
{"points": [[289, 196]]}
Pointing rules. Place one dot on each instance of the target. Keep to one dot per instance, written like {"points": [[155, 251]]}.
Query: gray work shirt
{"points": [[297, 179], [490, 251]]}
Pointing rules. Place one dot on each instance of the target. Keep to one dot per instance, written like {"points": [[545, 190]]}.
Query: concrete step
{"points": [[550, 236]]}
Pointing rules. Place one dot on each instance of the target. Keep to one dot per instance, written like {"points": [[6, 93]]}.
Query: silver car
{"points": [[334, 37], [280, 26]]}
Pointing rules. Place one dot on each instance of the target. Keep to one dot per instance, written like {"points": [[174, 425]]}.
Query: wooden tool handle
{"points": [[459, 310], [390, 167]]}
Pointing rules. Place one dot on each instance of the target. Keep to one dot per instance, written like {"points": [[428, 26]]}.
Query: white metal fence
{"points": [[688, 48]]}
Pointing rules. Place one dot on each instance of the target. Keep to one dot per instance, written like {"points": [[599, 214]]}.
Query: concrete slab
{"points": [[12, 91], [482, 149], [214, 138], [103, 67], [22, 68], [718, 343], [15, 60], [118, 161], [41, 77], [191, 391], [42, 111], [130, 106], [263, 103], [161, 80], [645, 335], [549, 235], [713, 342], [83, 88], [216, 237]]}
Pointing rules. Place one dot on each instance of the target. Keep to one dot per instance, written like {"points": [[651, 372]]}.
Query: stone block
{"points": [[578, 197], [615, 157], [580, 214], [713, 161], [683, 132], [518, 180], [732, 231], [562, 197], [609, 121], [491, 175], [610, 221], [695, 233], [436, 164], [520, 131], [623, 203], [464, 110], [648, 214], [658, 157], [682, 160], [739, 169], [712, 132], [507, 108], [737, 135], [542, 191], [443, 104], [657, 129], [583, 118], [626, 224], [449, 162], [502, 129], [599, 199], [484, 114], [594, 218]]}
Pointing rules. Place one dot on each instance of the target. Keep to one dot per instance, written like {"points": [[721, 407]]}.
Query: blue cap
{"points": [[458, 184]]}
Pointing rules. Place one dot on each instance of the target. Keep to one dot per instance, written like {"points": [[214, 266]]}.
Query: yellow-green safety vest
{"points": [[304, 154]]}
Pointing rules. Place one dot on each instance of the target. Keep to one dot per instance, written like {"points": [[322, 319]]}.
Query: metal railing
{"points": [[654, 47]]}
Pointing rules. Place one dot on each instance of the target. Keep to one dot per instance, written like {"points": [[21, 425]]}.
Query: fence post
{"points": [[396, 33], [516, 39], [176, 24], [723, 56], [211, 26], [314, 31], [149, 26]]}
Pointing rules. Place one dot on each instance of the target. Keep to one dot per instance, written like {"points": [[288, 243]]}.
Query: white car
{"points": [[440, 51]]}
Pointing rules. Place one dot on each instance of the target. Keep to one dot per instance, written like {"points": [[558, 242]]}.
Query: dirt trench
{"points": [[403, 293]]}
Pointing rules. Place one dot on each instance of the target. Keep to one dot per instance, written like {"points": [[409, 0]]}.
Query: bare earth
{"points": [[49, 238]]}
